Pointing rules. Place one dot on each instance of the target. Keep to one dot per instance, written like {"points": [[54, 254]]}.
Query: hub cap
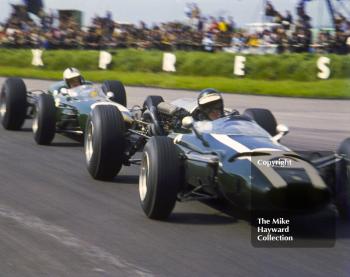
{"points": [[89, 150], [143, 177]]}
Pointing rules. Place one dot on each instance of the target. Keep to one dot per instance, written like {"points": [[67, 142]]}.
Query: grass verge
{"points": [[335, 88]]}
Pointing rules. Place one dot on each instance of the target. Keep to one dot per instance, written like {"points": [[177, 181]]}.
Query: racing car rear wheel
{"points": [[104, 142], [160, 177], [264, 118], [13, 104], [118, 89], [343, 180], [44, 121]]}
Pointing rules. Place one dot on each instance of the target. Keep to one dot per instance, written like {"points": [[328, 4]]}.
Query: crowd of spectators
{"points": [[280, 33]]}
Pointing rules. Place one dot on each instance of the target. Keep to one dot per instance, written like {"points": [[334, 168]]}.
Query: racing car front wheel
{"points": [[264, 118], [118, 89], [343, 180], [13, 104], [104, 142], [44, 121], [160, 177]]}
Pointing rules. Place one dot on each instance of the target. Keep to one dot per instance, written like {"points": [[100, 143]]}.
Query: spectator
{"points": [[199, 33], [208, 42]]}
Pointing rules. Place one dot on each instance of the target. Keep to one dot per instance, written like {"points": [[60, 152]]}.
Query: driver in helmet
{"points": [[210, 104], [72, 77]]}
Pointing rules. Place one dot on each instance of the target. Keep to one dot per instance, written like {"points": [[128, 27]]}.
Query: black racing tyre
{"points": [[13, 104], [118, 89], [264, 118], [44, 121], [160, 177], [104, 142], [152, 101], [342, 197]]}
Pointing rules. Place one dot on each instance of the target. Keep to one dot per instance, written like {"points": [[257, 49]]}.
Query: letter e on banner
{"points": [[37, 61], [324, 71], [239, 66], [104, 60], [169, 61]]}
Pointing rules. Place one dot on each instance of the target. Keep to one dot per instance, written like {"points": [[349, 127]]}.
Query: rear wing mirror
{"points": [[64, 91], [110, 94], [187, 122]]}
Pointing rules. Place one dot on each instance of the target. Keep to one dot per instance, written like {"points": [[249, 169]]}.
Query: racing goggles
{"points": [[74, 82], [216, 106]]}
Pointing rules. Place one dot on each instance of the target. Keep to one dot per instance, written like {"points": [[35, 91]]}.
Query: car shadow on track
{"points": [[127, 179], [66, 144], [223, 214], [26, 129], [323, 225], [200, 219], [226, 213]]}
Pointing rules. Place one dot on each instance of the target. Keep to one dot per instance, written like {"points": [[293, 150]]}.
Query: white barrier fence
{"points": [[169, 63]]}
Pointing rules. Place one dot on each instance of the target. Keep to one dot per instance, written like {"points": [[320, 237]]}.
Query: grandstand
{"points": [[29, 26]]}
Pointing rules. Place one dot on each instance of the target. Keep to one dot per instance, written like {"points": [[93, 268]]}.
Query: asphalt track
{"points": [[56, 221]]}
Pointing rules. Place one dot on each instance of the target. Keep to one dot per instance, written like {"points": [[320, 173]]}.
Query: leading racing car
{"points": [[239, 158]]}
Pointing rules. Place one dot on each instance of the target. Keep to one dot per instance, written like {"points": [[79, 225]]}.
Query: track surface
{"points": [[56, 221]]}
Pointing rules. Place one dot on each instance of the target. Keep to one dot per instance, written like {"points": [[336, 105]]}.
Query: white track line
{"points": [[63, 236]]}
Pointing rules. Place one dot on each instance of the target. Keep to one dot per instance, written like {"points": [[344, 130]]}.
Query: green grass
{"points": [[296, 67], [336, 88]]}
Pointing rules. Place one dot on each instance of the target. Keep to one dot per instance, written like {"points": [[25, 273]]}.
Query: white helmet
{"points": [[72, 77]]}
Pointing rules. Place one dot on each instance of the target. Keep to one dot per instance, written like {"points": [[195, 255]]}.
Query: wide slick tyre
{"points": [[44, 121], [118, 89], [13, 104], [264, 118], [104, 142], [342, 196], [160, 177]]}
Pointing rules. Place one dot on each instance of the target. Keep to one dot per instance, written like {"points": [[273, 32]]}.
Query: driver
{"points": [[72, 77], [210, 104]]}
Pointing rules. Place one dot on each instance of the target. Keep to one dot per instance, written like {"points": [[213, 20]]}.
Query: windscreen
{"points": [[233, 127], [85, 92]]}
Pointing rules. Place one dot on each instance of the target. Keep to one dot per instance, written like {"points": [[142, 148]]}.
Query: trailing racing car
{"points": [[57, 110]]}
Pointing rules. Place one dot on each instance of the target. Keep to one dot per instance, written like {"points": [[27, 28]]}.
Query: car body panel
{"points": [[74, 105], [241, 148]]}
